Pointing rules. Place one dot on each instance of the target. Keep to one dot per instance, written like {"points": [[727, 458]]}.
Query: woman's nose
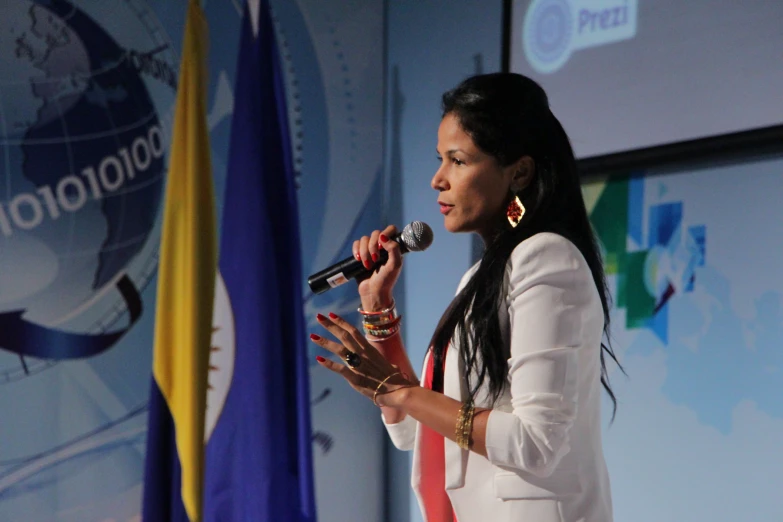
{"points": [[439, 181]]}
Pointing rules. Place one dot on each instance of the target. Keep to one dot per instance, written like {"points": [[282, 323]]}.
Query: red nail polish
{"points": [[357, 256], [333, 316], [320, 317], [383, 238], [375, 257], [366, 264], [319, 358], [315, 337]]}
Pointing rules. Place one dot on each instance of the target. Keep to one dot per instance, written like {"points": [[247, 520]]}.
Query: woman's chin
{"points": [[451, 226], [456, 228]]}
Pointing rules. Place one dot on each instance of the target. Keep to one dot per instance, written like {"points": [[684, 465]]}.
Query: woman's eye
{"points": [[440, 160], [457, 161]]}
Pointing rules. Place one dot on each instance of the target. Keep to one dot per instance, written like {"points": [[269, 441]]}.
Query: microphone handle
{"points": [[347, 269]]}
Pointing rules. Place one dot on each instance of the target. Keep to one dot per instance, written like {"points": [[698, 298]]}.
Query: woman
{"points": [[506, 423]]}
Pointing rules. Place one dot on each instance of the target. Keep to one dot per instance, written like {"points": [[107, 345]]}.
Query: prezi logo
{"points": [[555, 28]]}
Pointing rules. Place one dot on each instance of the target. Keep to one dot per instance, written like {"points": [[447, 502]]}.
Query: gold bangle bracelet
{"points": [[469, 426], [458, 427], [464, 426], [380, 384]]}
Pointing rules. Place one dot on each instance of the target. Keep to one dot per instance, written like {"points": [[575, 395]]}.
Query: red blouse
{"points": [[437, 505]]}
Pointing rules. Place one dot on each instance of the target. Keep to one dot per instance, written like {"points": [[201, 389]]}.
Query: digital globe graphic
{"points": [[86, 97]]}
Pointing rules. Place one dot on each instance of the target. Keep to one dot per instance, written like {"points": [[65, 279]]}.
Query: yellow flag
{"points": [[187, 266]]}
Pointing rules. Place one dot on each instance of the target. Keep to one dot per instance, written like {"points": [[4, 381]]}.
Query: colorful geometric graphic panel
{"points": [[652, 268]]}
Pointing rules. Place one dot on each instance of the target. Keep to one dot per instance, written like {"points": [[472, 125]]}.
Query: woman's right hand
{"points": [[376, 291]]}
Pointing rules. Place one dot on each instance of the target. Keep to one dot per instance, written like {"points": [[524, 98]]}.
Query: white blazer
{"points": [[544, 459]]}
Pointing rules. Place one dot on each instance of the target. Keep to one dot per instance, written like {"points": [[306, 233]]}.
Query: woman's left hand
{"points": [[364, 367]]}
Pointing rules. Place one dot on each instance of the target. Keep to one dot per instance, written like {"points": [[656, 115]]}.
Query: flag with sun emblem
{"points": [[259, 463]]}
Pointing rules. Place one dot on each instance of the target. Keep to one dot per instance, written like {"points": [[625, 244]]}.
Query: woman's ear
{"points": [[524, 171]]}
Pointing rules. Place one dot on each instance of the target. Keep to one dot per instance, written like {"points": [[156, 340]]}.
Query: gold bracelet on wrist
{"points": [[464, 427], [380, 384]]}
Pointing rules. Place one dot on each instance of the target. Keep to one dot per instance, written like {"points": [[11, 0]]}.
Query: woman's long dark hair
{"points": [[508, 117]]}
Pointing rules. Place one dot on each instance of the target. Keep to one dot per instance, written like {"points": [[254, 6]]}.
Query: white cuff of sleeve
{"points": [[403, 433], [499, 426]]}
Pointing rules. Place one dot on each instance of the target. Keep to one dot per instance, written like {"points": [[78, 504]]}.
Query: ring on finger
{"points": [[351, 359]]}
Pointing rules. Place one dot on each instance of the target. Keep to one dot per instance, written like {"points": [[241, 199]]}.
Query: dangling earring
{"points": [[515, 211]]}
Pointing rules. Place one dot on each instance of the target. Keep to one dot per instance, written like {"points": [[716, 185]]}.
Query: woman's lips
{"points": [[444, 209]]}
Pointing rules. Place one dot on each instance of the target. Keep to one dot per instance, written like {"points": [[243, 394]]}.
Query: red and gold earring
{"points": [[515, 211]]}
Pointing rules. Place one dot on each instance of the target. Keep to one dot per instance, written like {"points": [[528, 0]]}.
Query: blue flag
{"points": [[259, 459]]}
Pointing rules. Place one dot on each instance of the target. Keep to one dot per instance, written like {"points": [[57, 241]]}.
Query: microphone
{"points": [[415, 237]]}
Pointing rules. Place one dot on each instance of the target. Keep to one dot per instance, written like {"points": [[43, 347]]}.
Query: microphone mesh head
{"points": [[416, 236]]}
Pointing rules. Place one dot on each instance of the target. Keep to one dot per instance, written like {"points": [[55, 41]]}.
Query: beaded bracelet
{"points": [[381, 324], [382, 334], [370, 328]]}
